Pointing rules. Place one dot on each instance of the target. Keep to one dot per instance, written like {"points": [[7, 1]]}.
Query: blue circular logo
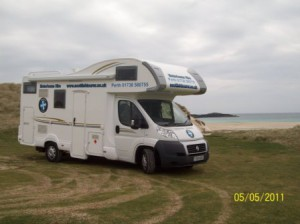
{"points": [[190, 133], [43, 105]]}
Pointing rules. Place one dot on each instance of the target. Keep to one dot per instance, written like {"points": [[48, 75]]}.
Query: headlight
{"points": [[166, 133]]}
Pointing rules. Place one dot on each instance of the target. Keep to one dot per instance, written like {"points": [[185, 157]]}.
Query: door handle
{"points": [[74, 121], [117, 129]]}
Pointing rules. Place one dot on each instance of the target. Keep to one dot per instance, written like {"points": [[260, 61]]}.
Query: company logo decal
{"points": [[43, 105], [190, 133]]}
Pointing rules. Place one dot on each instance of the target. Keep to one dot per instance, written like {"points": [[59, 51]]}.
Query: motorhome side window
{"points": [[126, 73], [29, 87], [128, 111], [59, 98]]}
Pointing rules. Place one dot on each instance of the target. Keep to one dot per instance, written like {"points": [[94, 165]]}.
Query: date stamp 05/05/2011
{"points": [[258, 197]]}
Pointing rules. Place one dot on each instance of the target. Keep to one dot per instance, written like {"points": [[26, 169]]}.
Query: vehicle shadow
{"points": [[112, 165]]}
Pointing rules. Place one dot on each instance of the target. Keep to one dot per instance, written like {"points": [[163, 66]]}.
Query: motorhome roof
{"points": [[167, 77]]}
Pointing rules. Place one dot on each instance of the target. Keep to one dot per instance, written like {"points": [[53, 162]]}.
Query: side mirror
{"points": [[134, 124]]}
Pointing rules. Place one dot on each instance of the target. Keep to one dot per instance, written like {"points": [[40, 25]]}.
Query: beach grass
{"points": [[9, 105], [289, 137]]}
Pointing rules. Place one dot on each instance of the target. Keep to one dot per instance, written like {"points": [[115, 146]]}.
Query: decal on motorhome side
{"points": [[87, 85], [43, 105], [80, 85], [129, 84], [182, 81], [57, 121], [49, 86]]}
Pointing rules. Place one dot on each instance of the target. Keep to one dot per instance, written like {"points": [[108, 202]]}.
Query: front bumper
{"points": [[176, 154]]}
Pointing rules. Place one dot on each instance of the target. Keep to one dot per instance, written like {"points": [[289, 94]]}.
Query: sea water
{"points": [[256, 117]]}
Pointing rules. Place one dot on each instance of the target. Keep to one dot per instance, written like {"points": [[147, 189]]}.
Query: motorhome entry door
{"points": [[79, 124]]}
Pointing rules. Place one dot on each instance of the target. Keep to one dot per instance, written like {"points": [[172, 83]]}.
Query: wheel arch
{"points": [[50, 142], [51, 138], [139, 153]]}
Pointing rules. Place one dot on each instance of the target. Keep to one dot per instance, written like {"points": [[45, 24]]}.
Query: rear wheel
{"points": [[148, 161], [53, 154]]}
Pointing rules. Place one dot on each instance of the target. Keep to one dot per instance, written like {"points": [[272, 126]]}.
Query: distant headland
{"points": [[215, 114]]}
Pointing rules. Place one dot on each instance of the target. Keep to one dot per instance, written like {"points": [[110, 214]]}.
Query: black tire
{"points": [[189, 167], [53, 154], [148, 161]]}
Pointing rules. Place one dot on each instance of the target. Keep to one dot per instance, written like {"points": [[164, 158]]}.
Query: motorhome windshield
{"points": [[165, 113]]}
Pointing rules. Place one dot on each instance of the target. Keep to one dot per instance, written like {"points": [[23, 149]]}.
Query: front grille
{"points": [[198, 148]]}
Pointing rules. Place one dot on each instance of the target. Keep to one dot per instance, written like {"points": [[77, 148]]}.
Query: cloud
{"points": [[241, 48]]}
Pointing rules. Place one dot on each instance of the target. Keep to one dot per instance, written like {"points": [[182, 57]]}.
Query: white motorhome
{"points": [[119, 109]]}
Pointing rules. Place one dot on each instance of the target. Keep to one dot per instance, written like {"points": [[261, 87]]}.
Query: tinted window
{"points": [[59, 98], [125, 73], [29, 87], [128, 112], [124, 112]]}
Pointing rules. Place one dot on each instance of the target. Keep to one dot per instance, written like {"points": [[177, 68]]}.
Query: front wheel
{"points": [[148, 161], [53, 154]]}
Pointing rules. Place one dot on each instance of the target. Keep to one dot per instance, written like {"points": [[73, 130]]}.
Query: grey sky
{"points": [[248, 52]]}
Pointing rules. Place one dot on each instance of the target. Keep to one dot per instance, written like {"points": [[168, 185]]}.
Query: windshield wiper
{"points": [[176, 124], [188, 122], [170, 124]]}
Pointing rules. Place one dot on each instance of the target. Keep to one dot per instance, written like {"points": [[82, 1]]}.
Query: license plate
{"points": [[198, 158]]}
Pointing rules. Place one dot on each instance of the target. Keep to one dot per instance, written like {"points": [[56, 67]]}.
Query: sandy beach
{"points": [[236, 126]]}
